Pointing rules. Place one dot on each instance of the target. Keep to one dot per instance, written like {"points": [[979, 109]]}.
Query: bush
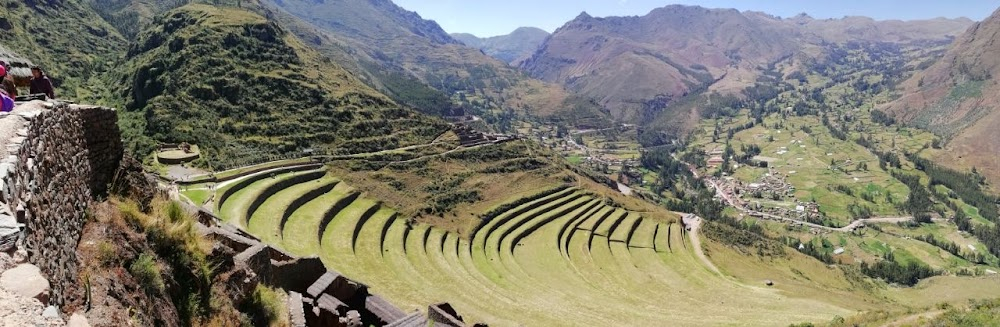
{"points": [[106, 253], [265, 307], [147, 273]]}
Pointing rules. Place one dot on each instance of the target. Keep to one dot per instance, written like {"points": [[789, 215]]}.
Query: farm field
{"points": [[564, 256], [815, 163]]}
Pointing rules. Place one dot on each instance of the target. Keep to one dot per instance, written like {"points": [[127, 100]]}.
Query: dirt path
{"points": [[694, 224], [915, 318]]}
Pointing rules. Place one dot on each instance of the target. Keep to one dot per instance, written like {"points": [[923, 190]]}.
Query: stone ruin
{"points": [[54, 162], [469, 137], [317, 296]]}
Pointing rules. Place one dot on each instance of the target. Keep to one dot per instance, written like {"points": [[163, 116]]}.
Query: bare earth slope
{"points": [[958, 98]]}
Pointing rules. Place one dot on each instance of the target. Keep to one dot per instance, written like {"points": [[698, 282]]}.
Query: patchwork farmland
{"points": [[561, 257]]}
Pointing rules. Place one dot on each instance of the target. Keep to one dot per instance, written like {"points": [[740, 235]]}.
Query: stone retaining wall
{"points": [[56, 164]]}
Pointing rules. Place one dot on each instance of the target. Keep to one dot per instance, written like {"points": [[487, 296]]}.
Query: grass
{"points": [[147, 273], [197, 196], [265, 223], [233, 210], [263, 166], [517, 262], [266, 307], [536, 280]]}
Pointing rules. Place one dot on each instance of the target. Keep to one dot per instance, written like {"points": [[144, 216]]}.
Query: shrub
{"points": [[147, 273], [174, 212], [106, 253], [265, 307]]}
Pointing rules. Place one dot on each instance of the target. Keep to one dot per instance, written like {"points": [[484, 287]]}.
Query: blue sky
{"points": [[495, 17]]}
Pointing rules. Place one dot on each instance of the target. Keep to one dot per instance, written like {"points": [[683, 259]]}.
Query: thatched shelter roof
{"points": [[17, 66]]}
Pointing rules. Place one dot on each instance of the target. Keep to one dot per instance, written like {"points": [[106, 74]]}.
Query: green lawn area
{"points": [[576, 160], [198, 196]]}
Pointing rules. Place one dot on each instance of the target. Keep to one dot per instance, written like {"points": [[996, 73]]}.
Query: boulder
{"points": [[77, 320], [50, 312], [26, 280]]}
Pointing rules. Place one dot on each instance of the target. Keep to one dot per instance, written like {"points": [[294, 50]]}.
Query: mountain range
{"points": [[638, 66], [650, 70], [412, 59], [512, 48]]}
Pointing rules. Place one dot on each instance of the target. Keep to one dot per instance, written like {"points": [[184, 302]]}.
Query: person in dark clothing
{"points": [[41, 83], [7, 80]]}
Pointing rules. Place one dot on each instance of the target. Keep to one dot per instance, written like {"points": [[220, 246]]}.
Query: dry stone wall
{"points": [[57, 162]]}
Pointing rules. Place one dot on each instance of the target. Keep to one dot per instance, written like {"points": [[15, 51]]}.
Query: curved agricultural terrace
{"points": [[564, 257]]}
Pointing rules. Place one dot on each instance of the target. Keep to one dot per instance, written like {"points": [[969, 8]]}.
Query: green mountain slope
{"points": [[391, 45], [239, 84], [66, 38], [129, 16]]}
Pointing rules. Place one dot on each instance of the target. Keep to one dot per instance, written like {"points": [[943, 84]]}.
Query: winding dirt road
{"points": [[694, 223]]}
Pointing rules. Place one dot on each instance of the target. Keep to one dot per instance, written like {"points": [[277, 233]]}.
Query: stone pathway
{"points": [[17, 309]]}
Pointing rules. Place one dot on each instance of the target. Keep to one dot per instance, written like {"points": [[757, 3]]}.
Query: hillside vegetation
{"points": [[71, 42], [401, 54], [238, 84]]}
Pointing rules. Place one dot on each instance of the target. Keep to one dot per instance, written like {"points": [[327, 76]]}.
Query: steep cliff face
{"points": [[958, 98]]}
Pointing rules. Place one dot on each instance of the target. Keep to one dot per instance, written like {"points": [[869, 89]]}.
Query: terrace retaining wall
{"points": [[57, 161]]}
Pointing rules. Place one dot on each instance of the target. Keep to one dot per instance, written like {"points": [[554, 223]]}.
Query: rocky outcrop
{"points": [[58, 160]]}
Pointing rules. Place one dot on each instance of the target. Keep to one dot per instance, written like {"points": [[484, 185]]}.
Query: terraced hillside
{"points": [[561, 257]]}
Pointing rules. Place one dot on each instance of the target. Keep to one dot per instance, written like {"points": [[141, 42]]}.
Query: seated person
{"points": [[8, 81], [41, 83], [6, 102]]}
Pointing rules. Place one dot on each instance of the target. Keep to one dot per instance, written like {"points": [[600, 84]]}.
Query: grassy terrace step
{"points": [[234, 207], [493, 224], [608, 225], [625, 228], [570, 224], [273, 189], [491, 245], [573, 213], [605, 226], [338, 236], [591, 223], [662, 241], [307, 197], [299, 234], [586, 225], [227, 191], [644, 234], [267, 221], [347, 207]]}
